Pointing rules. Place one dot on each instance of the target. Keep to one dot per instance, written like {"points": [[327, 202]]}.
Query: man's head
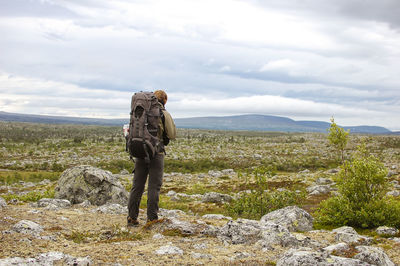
{"points": [[161, 96]]}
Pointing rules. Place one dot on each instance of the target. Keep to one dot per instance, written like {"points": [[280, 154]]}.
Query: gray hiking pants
{"points": [[155, 172]]}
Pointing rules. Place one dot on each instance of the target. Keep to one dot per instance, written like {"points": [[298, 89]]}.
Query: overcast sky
{"points": [[307, 60]]}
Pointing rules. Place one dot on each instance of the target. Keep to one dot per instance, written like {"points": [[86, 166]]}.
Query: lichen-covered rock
{"points": [[319, 189], [169, 250], [27, 227], [338, 249], [53, 203], [49, 258], [196, 255], [275, 234], [240, 232], [386, 231], [111, 208], [215, 197], [85, 182], [216, 217], [183, 227], [170, 213], [373, 255], [291, 217], [304, 257], [348, 235]]}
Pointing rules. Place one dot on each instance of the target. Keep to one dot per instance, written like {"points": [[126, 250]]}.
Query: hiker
{"points": [[152, 168]]}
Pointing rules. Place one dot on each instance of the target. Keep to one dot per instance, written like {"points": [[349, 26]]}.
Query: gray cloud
{"points": [[311, 51], [386, 11]]}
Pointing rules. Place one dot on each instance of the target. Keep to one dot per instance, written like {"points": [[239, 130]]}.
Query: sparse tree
{"points": [[338, 137]]}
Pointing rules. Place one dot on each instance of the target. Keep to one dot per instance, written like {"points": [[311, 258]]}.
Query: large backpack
{"points": [[142, 139]]}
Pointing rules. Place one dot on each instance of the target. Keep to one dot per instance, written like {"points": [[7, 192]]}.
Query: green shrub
{"points": [[259, 201], [255, 204], [32, 196], [362, 200]]}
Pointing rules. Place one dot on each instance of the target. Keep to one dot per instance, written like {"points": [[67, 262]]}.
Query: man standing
{"points": [[153, 169]]}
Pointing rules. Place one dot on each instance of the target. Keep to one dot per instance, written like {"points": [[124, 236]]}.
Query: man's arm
{"points": [[170, 128]]}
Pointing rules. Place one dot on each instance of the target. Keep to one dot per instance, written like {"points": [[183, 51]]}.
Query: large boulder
{"points": [[85, 182], [274, 234], [27, 227], [373, 255], [291, 217], [241, 231], [348, 235]]}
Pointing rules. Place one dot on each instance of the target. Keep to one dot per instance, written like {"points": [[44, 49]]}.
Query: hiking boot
{"points": [[132, 222]]}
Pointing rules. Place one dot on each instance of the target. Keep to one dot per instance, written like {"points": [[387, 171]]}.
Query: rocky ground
{"points": [[56, 231], [80, 231]]}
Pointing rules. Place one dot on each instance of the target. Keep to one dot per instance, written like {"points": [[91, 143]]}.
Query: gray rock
{"points": [[49, 258], [111, 208], [169, 250], [59, 203], [291, 217], [158, 236], [184, 227], [196, 255], [304, 257], [124, 172], [240, 232], [348, 235], [319, 189], [373, 255], [84, 204], [215, 197], [171, 193], [323, 181], [200, 246], [85, 182], [395, 239], [394, 193], [214, 173], [391, 173], [170, 213], [3, 203], [216, 217], [333, 171], [45, 182], [27, 227], [386, 231], [275, 234], [338, 248], [241, 255], [228, 171], [210, 230]]}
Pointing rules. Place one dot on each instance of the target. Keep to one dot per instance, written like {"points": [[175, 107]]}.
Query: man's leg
{"points": [[139, 181], [155, 181]]}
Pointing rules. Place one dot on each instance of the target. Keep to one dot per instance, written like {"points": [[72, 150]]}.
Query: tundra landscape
{"points": [[228, 198]]}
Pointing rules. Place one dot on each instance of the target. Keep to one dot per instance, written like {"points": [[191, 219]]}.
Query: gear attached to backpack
{"points": [[142, 139]]}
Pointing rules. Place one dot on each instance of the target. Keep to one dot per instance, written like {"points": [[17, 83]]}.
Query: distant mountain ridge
{"points": [[251, 122], [268, 123]]}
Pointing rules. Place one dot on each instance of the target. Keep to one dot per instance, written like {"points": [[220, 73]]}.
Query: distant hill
{"points": [[239, 122], [268, 123], [13, 117]]}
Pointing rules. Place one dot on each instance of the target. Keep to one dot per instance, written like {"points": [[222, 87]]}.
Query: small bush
{"points": [[256, 204], [362, 200], [260, 201], [30, 196]]}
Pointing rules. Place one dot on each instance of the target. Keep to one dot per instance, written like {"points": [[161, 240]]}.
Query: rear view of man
{"points": [[153, 169]]}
